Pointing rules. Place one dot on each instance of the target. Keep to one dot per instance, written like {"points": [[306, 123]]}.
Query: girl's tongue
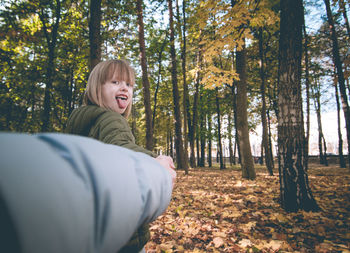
{"points": [[122, 103]]}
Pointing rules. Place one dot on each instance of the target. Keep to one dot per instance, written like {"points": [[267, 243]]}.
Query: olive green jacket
{"points": [[111, 128], [104, 125]]}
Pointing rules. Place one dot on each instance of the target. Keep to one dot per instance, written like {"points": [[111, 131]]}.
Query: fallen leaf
{"points": [[245, 243], [274, 245], [218, 242]]}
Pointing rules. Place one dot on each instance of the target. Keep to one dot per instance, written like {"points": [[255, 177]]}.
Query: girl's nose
{"points": [[124, 85]]}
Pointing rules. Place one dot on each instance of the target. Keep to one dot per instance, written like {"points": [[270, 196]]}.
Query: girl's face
{"points": [[117, 95]]}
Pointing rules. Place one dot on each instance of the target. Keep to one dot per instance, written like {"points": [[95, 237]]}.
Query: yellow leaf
{"points": [[245, 243], [274, 245], [219, 234], [218, 242]]}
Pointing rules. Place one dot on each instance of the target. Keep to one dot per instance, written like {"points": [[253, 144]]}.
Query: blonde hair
{"points": [[104, 72]]}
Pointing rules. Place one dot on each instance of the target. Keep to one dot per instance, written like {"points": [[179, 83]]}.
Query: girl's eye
{"points": [[115, 82]]}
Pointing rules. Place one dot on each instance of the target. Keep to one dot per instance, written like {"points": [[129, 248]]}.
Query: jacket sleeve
{"points": [[75, 194], [112, 128]]}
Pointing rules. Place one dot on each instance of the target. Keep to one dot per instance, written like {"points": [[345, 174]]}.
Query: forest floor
{"points": [[218, 211]]}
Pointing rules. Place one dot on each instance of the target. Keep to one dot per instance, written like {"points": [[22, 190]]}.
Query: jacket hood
{"points": [[82, 119]]}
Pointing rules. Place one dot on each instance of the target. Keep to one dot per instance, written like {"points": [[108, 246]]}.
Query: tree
{"points": [[247, 163], [209, 140], [192, 123], [295, 191], [95, 33], [343, 11], [145, 81], [307, 86], [159, 60], [51, 40], [265, 136], [202, 136], [341, 79], [185, 98], [229, 130], [342, 162], [322, 147], [180, 155], [222, 165]]}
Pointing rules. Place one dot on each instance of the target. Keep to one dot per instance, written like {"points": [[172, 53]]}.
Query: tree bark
{"points": [[210, 164], [222, 165], [197, 149], [180, 156], [295, 191], [160, 53], [95, 33], [341, 79], [145, 80], [321, 141], [265, 135], [192, 124], [186, 102], [247, 163], [270, 135], [51, 40], [229, 129], [235, 121], [307, 87], [202, 138], [342, 162], [345, 16]]}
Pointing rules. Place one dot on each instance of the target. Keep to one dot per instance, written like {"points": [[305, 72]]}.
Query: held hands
{"points": [[167, 162]]}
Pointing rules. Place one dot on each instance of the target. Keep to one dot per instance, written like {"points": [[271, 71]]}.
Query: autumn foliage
{"points": [[215, 210]]}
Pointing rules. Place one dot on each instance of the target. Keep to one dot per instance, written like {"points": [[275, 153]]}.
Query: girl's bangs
{"points": [[120, 72]]}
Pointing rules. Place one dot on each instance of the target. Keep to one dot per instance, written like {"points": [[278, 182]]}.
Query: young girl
{"points": [[107, 105]]}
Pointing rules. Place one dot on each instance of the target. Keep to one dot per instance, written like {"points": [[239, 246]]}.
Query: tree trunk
{"points": [[186, 102], [342, 162], [160, 53], [235, 151], [210, 164], [307, 87], [270, 135], [202, 138], [222, 165], [95, 33], [348, 82], [229, 129], [341, 79], [51, 40], [265, 136], [235, 121], [197, 149], [321, 140], [172, 153], [133, 122], [180, 155], [192, 124], [170, 133], [145, 81], [345, 16], [247, 163], [295, 191]]}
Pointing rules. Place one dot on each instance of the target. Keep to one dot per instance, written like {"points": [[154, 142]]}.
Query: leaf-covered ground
{"points": [[218, 211]]}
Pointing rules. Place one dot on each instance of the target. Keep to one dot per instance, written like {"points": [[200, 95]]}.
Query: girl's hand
{"points": [[167, 162]]}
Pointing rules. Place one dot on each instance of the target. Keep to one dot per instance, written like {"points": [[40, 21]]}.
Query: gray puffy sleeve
{"points": [[67, 193]]}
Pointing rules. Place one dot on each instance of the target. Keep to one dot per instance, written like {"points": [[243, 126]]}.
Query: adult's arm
{"points": [[66, 193]]}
